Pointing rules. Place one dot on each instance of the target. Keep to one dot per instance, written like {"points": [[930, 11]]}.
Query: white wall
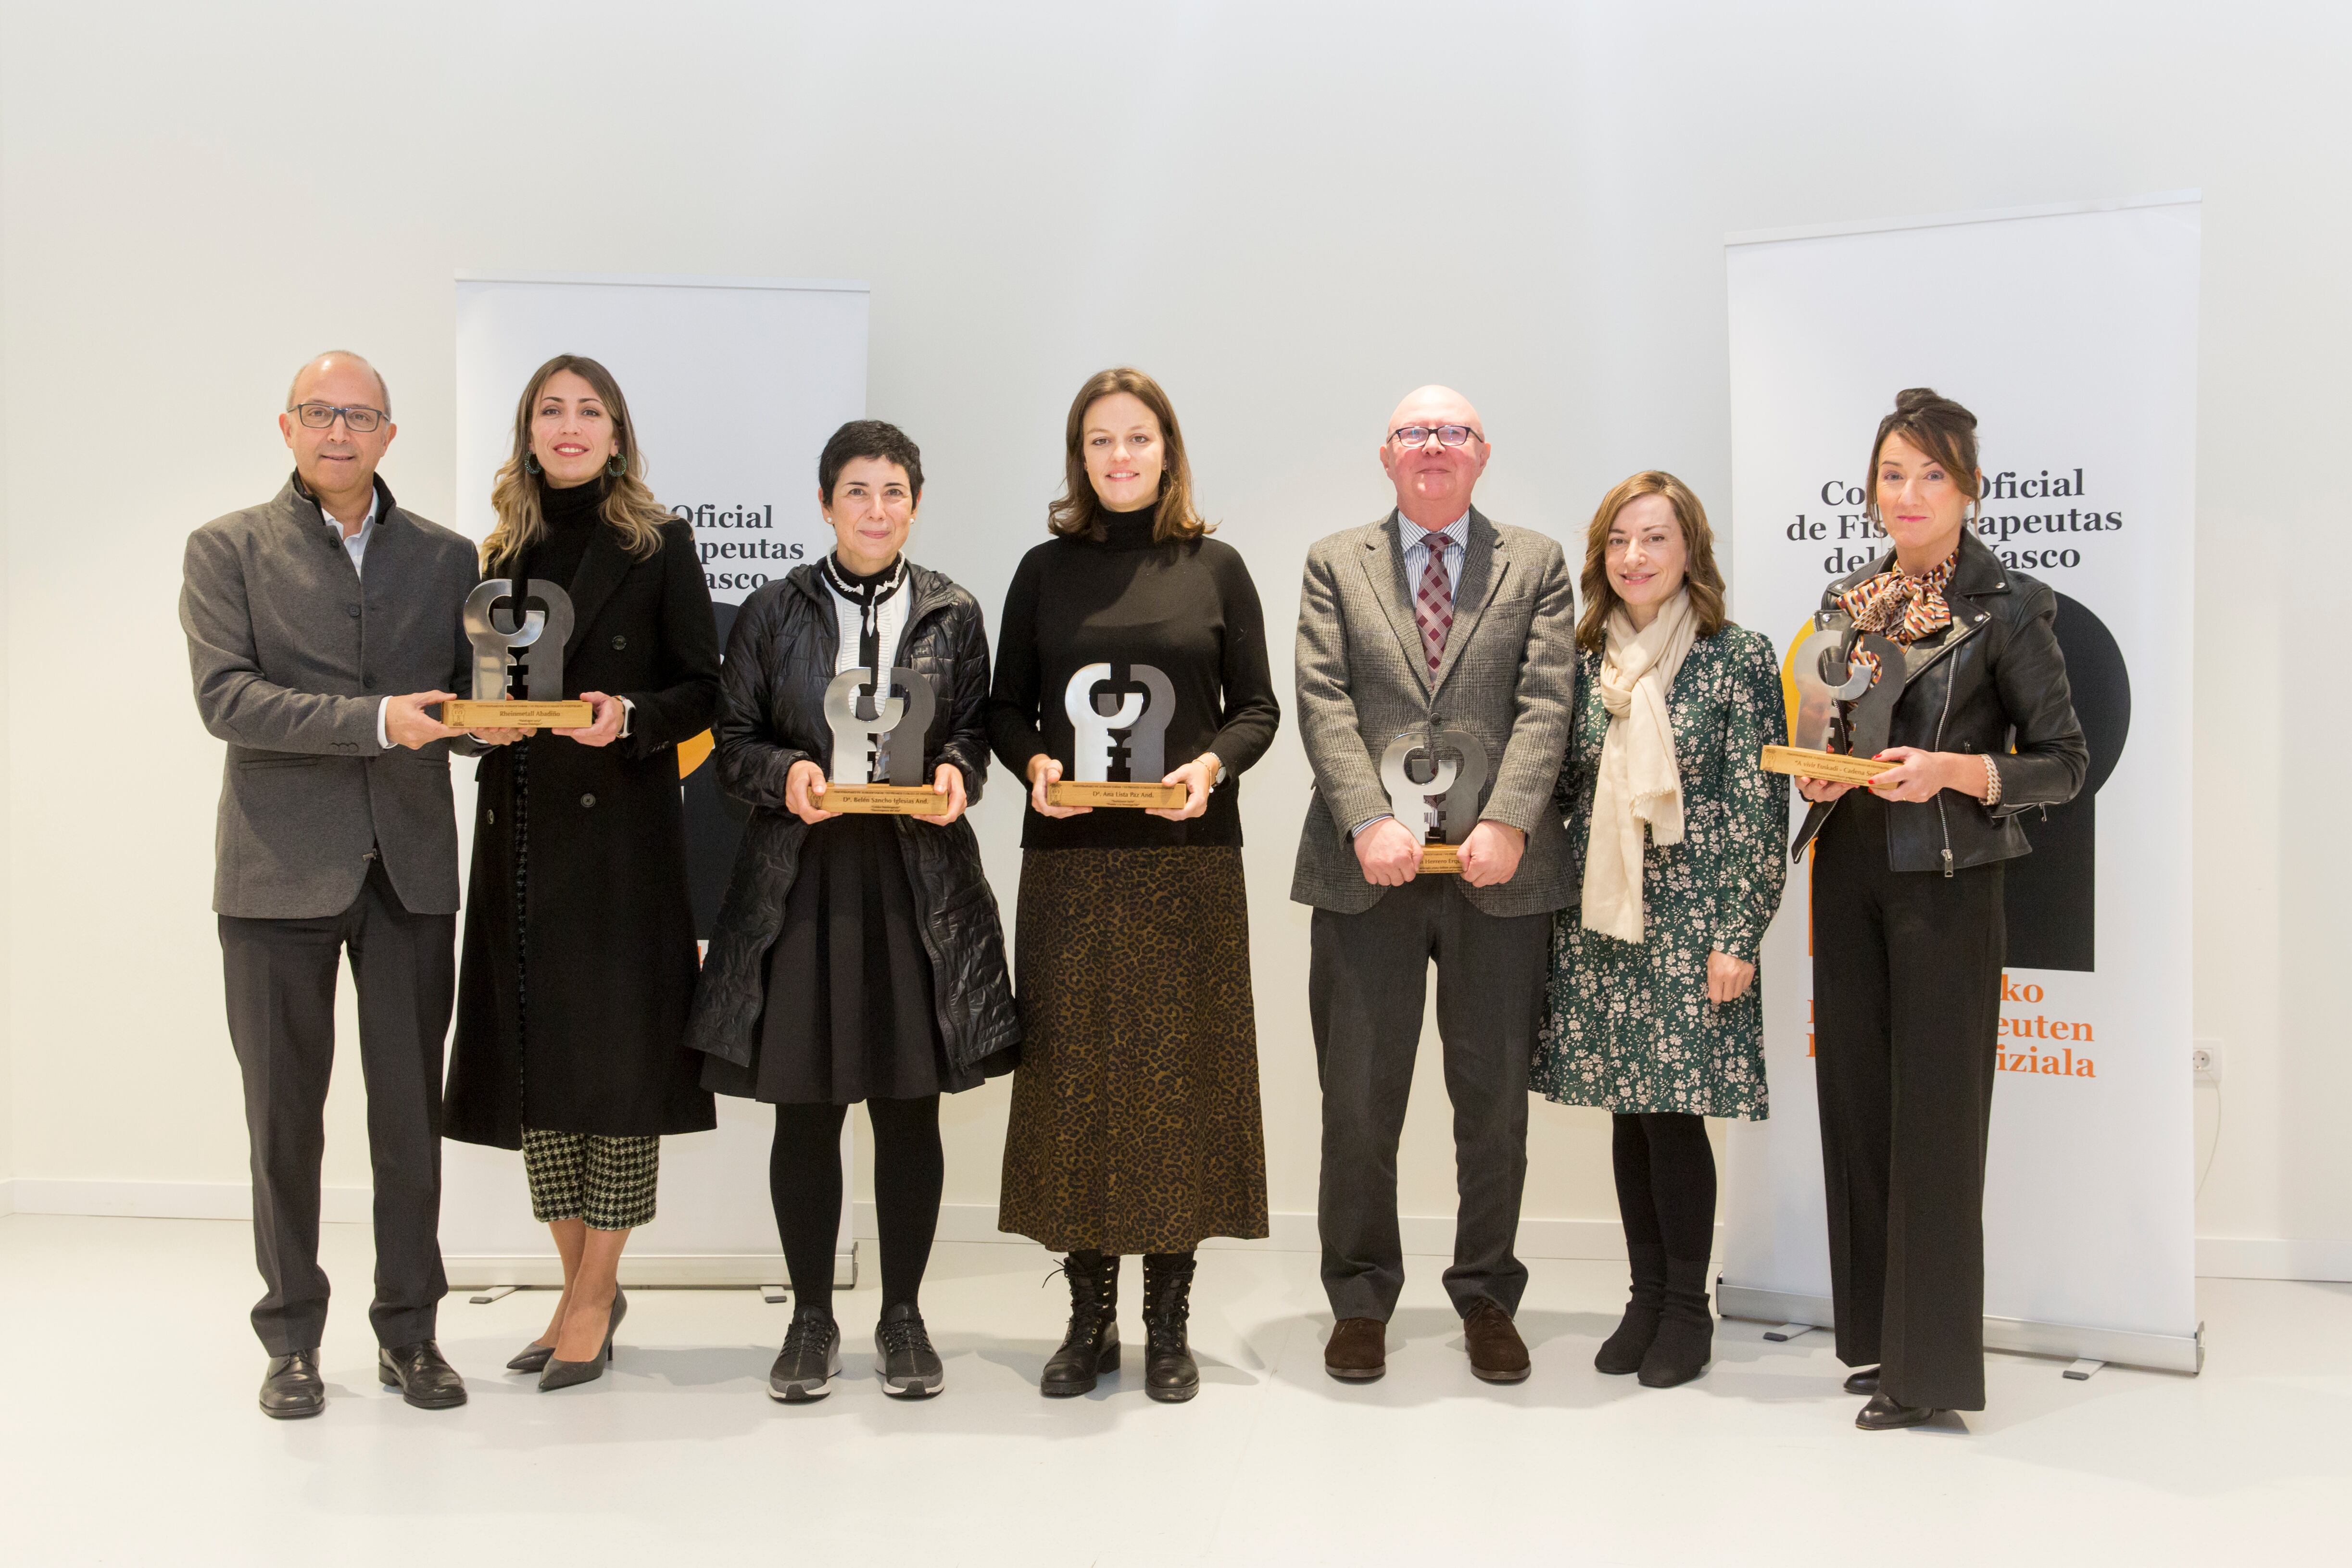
{"points": [[1289, 213]]}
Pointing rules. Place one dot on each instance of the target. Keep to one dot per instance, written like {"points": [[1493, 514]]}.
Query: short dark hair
{"points": [[868, 438]]}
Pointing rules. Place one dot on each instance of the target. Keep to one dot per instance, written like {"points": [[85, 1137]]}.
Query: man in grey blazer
{"points": [[322, 626], [1434, 618]]}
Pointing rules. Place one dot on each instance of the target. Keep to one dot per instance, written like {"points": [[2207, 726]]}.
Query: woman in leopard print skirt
{"points": [[1135, 1124]]}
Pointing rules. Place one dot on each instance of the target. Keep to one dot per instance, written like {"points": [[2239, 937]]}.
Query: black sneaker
{"points": [[811, 1354], [903, 1357]]}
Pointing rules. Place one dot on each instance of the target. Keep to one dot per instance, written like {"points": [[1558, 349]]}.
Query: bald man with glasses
{"points": [[1435, 618], [323, 626]]}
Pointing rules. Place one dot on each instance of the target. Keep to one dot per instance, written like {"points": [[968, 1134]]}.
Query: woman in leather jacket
{"points": [[1909, 934], [856, 956]]}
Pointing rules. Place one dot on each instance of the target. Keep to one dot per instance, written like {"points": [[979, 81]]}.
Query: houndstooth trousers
{"points": [[607, 1181]]}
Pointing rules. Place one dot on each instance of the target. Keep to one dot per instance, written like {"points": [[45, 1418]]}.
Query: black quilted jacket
{"points": [[779, 657]]}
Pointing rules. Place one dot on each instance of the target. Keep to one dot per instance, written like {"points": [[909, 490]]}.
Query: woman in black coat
{"points": [[1909, 926], [579, 961], [857, 957]]}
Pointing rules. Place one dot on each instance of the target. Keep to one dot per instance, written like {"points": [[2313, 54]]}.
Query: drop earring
{"points": [[531, 462], [618, 466]]}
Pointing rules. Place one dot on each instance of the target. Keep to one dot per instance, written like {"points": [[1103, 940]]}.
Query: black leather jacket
{"points": [[1992, 681], [779, 658]]}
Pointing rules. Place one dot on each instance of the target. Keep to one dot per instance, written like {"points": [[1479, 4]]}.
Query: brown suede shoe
{"points": [[1358, 1351], [1498, 1354]]}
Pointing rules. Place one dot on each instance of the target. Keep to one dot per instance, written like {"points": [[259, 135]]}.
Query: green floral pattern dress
{"points": [[1628, 1027]]}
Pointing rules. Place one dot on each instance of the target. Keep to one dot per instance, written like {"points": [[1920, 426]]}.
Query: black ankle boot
{"points": [[1686, 1328], [1622, 1352], [1091, 1347], [1170, 1375]]}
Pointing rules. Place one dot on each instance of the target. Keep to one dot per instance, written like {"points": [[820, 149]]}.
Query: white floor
{"points": [[128, 1434]]}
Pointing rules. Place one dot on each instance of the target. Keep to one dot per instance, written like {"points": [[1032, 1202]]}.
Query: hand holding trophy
{"points": [[1440, 808], [1118, 726], [878, 748], [1845, 704], [518, 633]]}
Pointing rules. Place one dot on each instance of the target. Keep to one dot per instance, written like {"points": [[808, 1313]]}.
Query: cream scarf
{"points": [[1639, 781]]}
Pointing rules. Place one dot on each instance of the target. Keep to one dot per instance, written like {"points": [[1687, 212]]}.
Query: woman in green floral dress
{"points": [[1655, 1012]]}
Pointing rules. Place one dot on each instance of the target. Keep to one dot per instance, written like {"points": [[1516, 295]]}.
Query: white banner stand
{"points": [[2070, 332], [734, 385]]}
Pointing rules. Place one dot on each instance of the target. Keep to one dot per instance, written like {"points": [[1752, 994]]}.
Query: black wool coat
{"points": [[779, 658], [572, 1009]]}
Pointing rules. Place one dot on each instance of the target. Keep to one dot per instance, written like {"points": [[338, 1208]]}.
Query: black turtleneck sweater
{"points": [[1186, 607], [572, 516]]}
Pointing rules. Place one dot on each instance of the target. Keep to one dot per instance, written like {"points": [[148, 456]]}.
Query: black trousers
{"points": [[1906, 1000], [1367, 980], [280, 978]]}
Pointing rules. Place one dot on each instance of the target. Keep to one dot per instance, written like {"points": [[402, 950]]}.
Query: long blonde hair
{"points": [[629, 506], [1079, 512]]}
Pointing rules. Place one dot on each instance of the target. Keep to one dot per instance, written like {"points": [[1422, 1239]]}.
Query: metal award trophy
{"points": [[877, 744], [518, 634], [1844, 709], [1442, 808], [1121, 727]]}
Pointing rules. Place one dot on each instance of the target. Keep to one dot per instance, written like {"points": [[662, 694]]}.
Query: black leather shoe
{"points": [[811, 1356], [1862, 1382], [1883, 1415], [293, 1387], [423, 1377], [533, 1357], [1170, 1374], [903, 1357], [561, 1373], [1090, 1348]]}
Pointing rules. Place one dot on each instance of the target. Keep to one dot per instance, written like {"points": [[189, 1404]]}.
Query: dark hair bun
{"points": [[1919, 400]]}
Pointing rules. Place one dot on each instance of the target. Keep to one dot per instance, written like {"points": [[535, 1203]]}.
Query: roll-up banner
{"points": [[734, 384], [2070, 332]]}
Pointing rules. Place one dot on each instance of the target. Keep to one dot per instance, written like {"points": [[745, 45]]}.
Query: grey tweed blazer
{"points": [[1508, 676], [290, 653]]}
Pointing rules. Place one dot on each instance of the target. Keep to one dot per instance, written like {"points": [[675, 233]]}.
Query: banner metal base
{"points": [[652, 1272], [2066, 1342]]}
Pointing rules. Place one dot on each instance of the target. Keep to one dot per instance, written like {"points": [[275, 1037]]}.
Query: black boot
{"points": [[1686, 1328], [1622, 1352], [1091, 1347], [1170, 1374]]}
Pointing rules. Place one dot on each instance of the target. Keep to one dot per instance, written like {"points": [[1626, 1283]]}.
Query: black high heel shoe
{"points": [[561, 1373]]}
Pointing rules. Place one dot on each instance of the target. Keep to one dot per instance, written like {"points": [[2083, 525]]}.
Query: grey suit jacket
{"points": [[291, 653], [1508, 676]]}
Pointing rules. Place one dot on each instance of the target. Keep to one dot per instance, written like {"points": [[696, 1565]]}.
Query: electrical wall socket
{"points": [[2205, 1060]]}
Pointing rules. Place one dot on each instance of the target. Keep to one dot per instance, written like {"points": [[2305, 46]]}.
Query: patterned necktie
{"points": [[1433, 606]]}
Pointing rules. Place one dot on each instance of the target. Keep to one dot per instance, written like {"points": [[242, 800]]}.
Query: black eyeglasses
{"points": [[1447, 435], [360, 419]]}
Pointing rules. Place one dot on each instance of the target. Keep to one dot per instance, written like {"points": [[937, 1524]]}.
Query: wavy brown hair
{"points": [[629, 506], [1079, 512], [1701, 576]]}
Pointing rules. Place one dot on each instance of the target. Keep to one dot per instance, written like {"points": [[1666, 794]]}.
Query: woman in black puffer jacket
{"points": [[856, 956]]}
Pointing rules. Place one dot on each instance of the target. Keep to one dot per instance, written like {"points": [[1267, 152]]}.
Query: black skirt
{"points": [[850, 1011]]}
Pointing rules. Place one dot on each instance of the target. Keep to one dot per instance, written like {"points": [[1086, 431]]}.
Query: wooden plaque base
{"points": [[1831, 766], [1445, 859], [1073, 792], [463, 714], [883, 800]]}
